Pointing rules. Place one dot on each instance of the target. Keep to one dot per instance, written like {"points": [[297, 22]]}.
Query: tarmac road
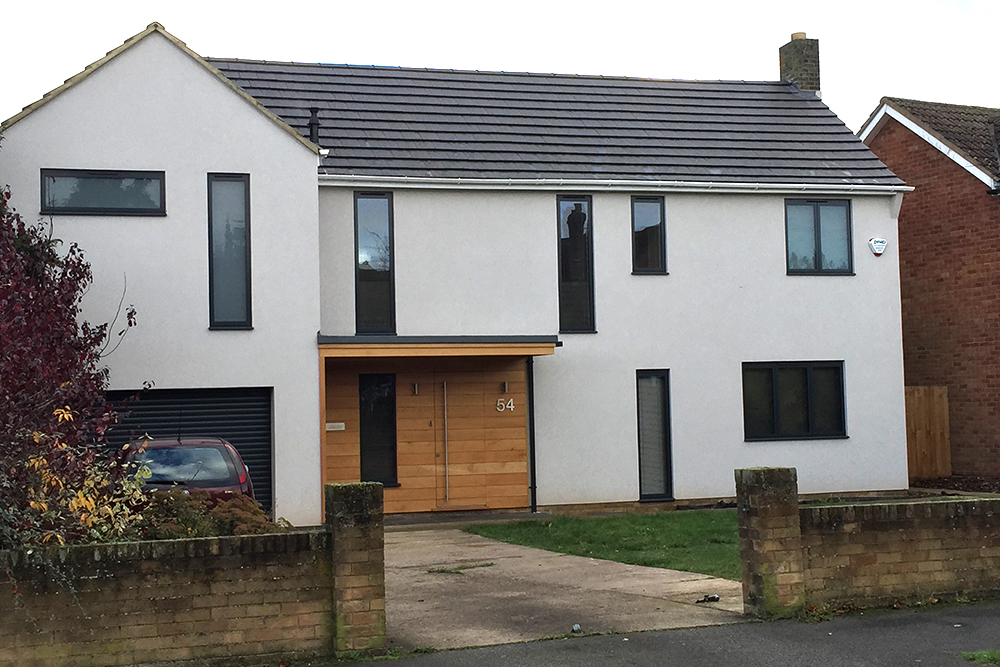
{"points": [[932, 636]]}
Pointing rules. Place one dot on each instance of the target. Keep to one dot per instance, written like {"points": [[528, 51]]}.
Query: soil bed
{"points": [[970, 483]]}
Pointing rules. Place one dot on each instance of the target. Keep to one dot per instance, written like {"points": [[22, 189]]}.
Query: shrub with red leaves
{"points": [[52, 407]]}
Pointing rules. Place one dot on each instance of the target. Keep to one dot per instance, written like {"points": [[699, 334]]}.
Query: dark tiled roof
{"points": [[383, 121], [972, 131]]}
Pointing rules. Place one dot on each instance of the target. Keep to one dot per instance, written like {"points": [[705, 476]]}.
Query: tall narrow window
{"points": [[229, 251], [576, 265], [377, 405], [375, 307], [653, 392], [818, 237], [649, 235]]}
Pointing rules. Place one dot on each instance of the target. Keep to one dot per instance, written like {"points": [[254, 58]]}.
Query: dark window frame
{"points": [[45, 209], [387, 195], [651, 199], [592, 315], [809, 366], [391, 482], [213, 324], [816, 205], [668, 472]]}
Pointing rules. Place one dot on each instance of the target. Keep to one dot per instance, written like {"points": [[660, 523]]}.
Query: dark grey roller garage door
{"points": [[241, 415]]}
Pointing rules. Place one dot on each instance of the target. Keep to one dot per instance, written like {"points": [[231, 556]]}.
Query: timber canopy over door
{"points": [[477, 460]]}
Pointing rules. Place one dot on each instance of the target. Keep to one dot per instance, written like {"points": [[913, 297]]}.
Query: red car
{"points": [[209, 464]]}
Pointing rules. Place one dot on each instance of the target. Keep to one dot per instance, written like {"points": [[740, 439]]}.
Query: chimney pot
{"points": [[798, 35]]}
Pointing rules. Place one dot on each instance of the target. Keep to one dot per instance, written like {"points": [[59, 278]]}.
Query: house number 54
{"points": [[505, 405]]}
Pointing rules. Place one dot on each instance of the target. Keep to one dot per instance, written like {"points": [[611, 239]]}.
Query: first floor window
{"points": [[377, 406], [103, 192], [374, 293], [576, 265], [793, 400], [653, 405], [818, 236], [649, 235], [229, 251]]}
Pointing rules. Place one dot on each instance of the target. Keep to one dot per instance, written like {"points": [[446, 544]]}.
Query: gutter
{"points": [[595, 185]]}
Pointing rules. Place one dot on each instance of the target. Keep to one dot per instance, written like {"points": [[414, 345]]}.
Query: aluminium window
{"points": [[229, 251], [374, 289], [103, 192], [377, 427], [649, 235], [818, 237], [653, 409], [793, 400], [576, 265]]}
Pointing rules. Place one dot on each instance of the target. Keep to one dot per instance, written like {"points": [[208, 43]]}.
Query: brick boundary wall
{"points": [[208, 601], [863, 554]]}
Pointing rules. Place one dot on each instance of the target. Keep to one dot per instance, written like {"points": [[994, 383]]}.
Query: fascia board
{"points": [[593, 185], [877, 121]]}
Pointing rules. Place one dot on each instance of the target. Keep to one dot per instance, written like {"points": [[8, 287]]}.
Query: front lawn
{"points": [[703, 541]]}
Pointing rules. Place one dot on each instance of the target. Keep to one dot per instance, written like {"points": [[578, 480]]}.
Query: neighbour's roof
{"points": [[971, 131], [397, 122]]}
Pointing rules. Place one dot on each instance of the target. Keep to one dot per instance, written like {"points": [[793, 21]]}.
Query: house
{"points": [[529, 290], [949, 270]]}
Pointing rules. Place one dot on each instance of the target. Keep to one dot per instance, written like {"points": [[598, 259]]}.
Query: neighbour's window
{"points": [[576, 265], [653, 405], [229, 251], [818, 236], [102, 192], [375, 307], [649, 235], [793, 400]]}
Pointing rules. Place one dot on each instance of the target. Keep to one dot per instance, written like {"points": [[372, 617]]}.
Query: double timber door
{"points": [[461, 431]]}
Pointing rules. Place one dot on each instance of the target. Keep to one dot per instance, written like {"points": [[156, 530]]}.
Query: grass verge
{"points": [[703, 541], [983, 657]]}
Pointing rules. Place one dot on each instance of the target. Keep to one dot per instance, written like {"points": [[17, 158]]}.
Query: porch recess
{"points": [[462, 417]]}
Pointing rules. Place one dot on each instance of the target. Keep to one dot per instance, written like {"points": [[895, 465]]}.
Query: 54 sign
{"points": [[503, 405]]}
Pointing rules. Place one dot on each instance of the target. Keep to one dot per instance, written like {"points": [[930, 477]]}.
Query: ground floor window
{"points": [[653, 404], [377, 405], [793, 400]]}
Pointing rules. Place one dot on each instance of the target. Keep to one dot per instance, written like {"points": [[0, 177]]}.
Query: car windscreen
{"points": [[189, 466]]}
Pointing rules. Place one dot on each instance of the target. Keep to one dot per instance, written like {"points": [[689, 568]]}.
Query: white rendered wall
{"points": [[727, 300], [466, 263], [485, 263], [155, 108]]}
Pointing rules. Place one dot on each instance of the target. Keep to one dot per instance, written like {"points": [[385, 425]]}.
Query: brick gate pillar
{"points": [[354, 515], [770, 542]]}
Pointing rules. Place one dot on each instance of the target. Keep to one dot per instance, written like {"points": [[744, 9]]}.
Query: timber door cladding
{"points": [[460, 427]]}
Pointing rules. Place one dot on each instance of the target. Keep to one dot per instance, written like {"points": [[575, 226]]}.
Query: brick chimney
{"points": [[799, 62]]}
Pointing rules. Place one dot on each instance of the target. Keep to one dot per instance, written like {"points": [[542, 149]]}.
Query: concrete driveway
{"points": [[447, 589]]}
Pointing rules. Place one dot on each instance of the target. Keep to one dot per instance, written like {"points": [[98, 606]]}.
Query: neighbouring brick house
{"points": [[949, 238]]}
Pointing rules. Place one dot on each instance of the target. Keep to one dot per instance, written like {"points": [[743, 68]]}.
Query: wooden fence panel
{"points": [[928, 439]]}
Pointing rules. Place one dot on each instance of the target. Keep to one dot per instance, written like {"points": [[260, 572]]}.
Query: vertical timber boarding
{"points": [[928, 439], [487, 447]]}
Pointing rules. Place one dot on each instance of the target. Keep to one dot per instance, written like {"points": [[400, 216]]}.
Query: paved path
{"points": [[529, 594], [926, 638]]}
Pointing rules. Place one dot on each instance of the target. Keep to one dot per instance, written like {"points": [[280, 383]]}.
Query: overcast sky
{"points": [[936, 50]]}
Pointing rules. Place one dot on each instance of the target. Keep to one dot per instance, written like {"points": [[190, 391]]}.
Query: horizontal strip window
{"points": [[793, 400], [649, 235], [101, 192]]}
